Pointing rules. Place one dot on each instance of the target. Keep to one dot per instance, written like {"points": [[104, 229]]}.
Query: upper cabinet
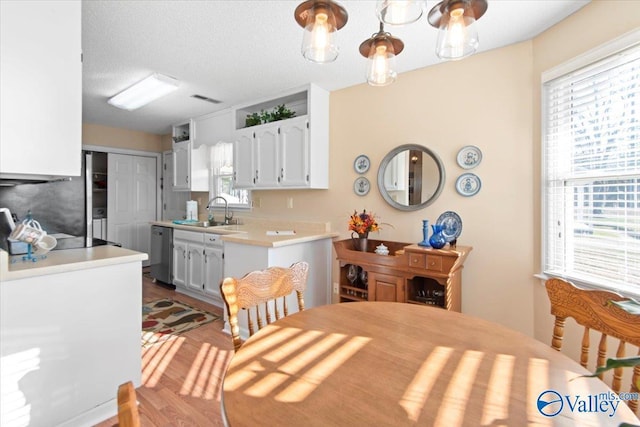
{"points": [[190, 163], [41, 86], [277, 154]]}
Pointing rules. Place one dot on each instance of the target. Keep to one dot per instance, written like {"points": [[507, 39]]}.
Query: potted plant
{"points": [[279, 112]]}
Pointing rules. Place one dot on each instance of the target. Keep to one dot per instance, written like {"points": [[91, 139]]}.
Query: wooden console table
{"points": [[410, 274]]}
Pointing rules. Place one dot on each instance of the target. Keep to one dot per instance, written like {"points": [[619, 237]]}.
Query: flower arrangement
{"points": [[363, 223]]}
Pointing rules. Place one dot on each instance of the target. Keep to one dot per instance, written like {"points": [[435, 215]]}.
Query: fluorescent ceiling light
{"points": [[145, 91]]}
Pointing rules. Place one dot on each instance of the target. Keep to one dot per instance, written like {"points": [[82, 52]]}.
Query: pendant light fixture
{"points": [[456, 20], [399, 12], [381, 50], [321, 19]]}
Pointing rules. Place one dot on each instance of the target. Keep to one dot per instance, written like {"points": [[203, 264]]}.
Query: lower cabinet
{"points": [[198, 265], [385, 287]]}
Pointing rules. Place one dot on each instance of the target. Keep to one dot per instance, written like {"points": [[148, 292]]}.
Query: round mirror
{"points": [[411, 177]]}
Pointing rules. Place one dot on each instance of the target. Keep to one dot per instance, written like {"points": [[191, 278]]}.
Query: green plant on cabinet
{"points": [[279, 112]]}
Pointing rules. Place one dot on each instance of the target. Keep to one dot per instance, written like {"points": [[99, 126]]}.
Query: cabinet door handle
{"points": [[282, 173]]}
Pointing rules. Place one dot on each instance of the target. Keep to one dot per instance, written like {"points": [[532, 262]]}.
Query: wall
{"points": [[490, 100], [485, 101], [559, 44], [106, 136]]}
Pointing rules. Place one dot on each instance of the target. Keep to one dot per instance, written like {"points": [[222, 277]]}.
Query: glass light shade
{"points": [[399, 12], [145, 91], [381, 63], [457, 35], [319, 41]]}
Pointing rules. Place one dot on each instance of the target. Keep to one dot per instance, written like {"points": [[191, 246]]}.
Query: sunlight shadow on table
{"points": [[418, 390], [317, 356]]}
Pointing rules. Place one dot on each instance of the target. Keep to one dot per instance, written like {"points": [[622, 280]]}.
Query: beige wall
{"points": [[484, 101], [594, 25], [490, 100], [106, 136]]}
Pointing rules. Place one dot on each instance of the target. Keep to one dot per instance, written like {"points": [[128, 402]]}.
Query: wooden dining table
{"points": [[395, 364]]}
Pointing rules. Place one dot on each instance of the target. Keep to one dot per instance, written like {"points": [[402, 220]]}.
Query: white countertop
{"points": [[12, 267], [255, 233]]}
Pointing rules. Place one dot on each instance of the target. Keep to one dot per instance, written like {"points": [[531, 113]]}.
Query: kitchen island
{"points": [[70, 328], [255, 245]]}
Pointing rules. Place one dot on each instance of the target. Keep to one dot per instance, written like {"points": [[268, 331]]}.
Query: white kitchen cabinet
{"points": [[41, 86], [279, 153], [212, 128], [190, 163], [197, 265], [173, 202], [291, 153], [181, 166], [188, 259], [179, 260], [266, 156], [294, 153], [213, 267], [243, 164]]}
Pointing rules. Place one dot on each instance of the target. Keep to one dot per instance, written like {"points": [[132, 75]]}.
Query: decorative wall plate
{"points": [[362, 163], [469, 157], [451, 225], [468, 184], [361, 186]]}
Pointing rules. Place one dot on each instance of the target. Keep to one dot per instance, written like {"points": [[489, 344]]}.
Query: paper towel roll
{"points": [[192, 210]]}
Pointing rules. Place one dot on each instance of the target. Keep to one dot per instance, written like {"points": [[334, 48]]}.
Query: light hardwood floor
{"points": [[181, 378]]}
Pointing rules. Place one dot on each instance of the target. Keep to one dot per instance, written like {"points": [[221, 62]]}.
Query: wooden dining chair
{"points": [[128, 415], [593, 309], [262, 294]]}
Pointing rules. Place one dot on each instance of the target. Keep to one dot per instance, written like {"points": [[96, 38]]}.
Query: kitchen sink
{"points": [[193, 223], [202, 224]]}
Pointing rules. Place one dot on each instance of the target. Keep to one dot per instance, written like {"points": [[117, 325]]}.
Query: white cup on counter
{"points": [[45, 244], [28, 232]]}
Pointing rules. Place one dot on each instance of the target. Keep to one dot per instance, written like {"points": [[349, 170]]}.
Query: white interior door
{"points": [[144, 202], [131, 200], [119, 207]]}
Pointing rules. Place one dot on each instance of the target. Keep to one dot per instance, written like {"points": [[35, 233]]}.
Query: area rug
{"points": [[164, 318]]}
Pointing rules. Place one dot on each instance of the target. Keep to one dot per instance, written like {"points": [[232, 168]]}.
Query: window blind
{"points": [[591, 182]]}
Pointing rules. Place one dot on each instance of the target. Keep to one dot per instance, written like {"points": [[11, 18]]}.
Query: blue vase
{"points": [[425, 233], [437, 239]]}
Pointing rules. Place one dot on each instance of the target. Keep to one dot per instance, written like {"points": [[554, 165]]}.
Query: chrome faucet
{"points": [[227, 217]]}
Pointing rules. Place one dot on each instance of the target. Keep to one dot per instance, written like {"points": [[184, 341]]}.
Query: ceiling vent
{"points": [[206, 98]]}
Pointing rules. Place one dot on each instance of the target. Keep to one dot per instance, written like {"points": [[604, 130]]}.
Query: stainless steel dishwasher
{"points": [[161, 260]]}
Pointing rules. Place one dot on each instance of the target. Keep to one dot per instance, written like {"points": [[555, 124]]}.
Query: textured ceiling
{"points": [[236, 51]]}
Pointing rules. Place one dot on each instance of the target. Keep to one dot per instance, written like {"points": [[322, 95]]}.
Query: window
{"points": [[222, 178], [591, 173]]}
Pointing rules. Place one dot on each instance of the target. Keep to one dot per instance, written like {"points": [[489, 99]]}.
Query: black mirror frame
{"points": [[387, 159]]}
